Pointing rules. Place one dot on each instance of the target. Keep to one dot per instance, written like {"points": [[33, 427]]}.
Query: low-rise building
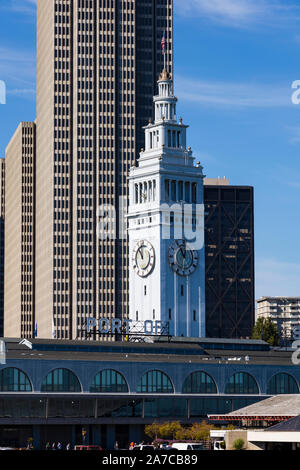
{"points": [[271, 424], [283, 311], [53, 390]]}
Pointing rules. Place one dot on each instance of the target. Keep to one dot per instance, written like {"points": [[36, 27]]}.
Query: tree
{"points": [[183, 434], [169, 430], [201, 431], [174, 430], [152, 430], [238, 444], [267, 330]]}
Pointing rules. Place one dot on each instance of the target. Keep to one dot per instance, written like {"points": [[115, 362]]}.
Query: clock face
{"points": [[143, 258], [182, 261]]}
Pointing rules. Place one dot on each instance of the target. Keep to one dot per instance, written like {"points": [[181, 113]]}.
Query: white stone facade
{"points": [[166, 275]]}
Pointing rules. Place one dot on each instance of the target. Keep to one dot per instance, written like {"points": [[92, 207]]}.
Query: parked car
{"points": [[87, 447], [219, 445], [188, 446], [144, 447]]}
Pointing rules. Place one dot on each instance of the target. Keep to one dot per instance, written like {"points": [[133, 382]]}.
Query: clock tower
{"points": [[166, 225]]}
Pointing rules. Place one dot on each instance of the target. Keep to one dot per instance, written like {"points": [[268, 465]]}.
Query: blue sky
{"points": [[235, 61]]}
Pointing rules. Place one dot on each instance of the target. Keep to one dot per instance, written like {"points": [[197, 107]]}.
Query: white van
{"points": [[188, 446]]}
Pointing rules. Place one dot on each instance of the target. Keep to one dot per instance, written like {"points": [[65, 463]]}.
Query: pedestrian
{"points": [[53, 446], [116, 445], [47, 446], [59, 446], [68, 446]]}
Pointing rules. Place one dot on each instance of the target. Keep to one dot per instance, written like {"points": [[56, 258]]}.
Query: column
{"points": [[36, 434], [111, 436]]}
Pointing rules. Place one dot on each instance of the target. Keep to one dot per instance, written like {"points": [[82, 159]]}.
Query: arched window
{"points": [[155, 381], [108, 381], [282, 383], [241, 383], [61, 380], [14, 380], [199, 382]]}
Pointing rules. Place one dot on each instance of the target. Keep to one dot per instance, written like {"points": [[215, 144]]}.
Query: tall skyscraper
{"points": [[19, 301], [97, 66], [2, 216], [229, 259]]}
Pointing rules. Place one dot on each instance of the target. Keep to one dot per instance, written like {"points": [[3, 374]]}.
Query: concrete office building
{"points": [[283, 311], [2, 216], [229, 259], [97, 68], [19, 302]]}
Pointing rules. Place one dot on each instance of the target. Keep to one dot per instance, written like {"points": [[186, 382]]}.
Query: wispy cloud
{"points": [[20, 6], [275, 278], [294, 134], [234, 95], [239, 13], [18, 70], [285, 174], [25, 92]]}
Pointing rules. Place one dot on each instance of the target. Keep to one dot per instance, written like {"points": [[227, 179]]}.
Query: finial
{"points": [[164, 76]]}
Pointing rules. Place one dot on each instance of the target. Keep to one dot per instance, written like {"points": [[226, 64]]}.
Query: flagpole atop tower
{"points": [[163, 46]]}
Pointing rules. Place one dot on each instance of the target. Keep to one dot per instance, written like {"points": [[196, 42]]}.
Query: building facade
{"points": [[283, 311], [97, 68], [19, 279], [166, 275], [2, 217], [229, 259], [53, 390]]}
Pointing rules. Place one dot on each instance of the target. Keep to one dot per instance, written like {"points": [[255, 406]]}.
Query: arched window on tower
{"points": [[173, 190], [154, 190], [167, 190], [194, 193], [180, 190], [150, 191], [187, 192]]}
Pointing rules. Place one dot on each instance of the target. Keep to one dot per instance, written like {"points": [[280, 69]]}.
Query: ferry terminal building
{"points": [[55, 390]]}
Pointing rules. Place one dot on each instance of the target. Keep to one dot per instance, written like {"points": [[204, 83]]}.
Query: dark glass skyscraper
{"points": [[229, 245]]}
